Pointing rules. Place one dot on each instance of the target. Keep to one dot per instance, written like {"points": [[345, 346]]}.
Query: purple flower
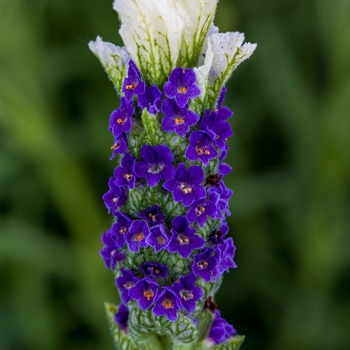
{"points": [[204, 264], [124, 174], [220, 330], [120, 228], [119, 145], [227, 253], [136, 237], [115, 197], [110, 253], [156, 164], [200, 147], [167, 304], [200, 210], [183, 239], [185, 187], [221, 97], [121, 317], [219, 130], [154, 269], [177, 119], [224, 196], [158, 238], [182, 86], [120, 119], [153, 215], [125, 283], [144, 292], [216, 237], [188, 293], [224, 169], [133, 85], [150, 99]]}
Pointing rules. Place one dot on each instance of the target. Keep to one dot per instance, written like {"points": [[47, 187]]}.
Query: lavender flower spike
{"points": [[168, 244]]}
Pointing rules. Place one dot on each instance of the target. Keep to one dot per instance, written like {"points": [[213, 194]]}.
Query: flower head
{"points": [[136, 236], [204, 264], [158, 238], [122, 317], [200, 210], [125, 283], [182, 86], [124, 174], [115, 197], [153, 215], [167, 303], [145, 292], [153, 269], [133, 85], [120, 119], [110, 253], [150, 99], [220, 330], [119, 146], [120, 228]]}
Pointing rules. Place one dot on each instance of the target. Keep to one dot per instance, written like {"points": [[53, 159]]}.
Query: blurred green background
{"points": [[291, 157]]}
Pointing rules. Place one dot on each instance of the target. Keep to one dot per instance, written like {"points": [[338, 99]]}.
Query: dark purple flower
{"points": [[217, 237], [125, 283], [224, 169], [124, 174], [120, 119], [204, 264], [200, 210], [120, 228], [153, 269], [182, 86], [200, 147], [177, 119], [220, 330], [156, 164], [150, 99], [121, 317], [158, 238], [188, 292], [227, 253], [183, 240], [186, 186], [120, 145], [167, 304], [153, 215], [221, 97], [133, 85], [219, 130], [110, 253], [115, 197], [136, 237], [144, 292], [224, 196]]}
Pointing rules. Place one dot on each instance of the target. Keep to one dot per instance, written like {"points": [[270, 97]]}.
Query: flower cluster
{"points": [[168, 245]]}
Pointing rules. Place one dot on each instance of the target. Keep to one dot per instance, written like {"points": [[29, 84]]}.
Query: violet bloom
{"points": [[224, 169], [220, 330], [124, 174], [188, 292], [150, 99], [119, 145], [153, 215], [167, 304], [227, 253], [177, 119], [186, 186], [115, 197], [200, 147], [136, 237], [125, 283], [184, 240], [120, 228], [182, 86], [217, 236], [156, 164], [200, 210], [221, 97], [158, 238], [120, 119], [153, 269], [133, 85], [204, 264], [224, 196], [121, 317], [110, 253], [144, 292]]}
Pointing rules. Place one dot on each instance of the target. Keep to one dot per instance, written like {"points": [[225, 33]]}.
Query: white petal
{"points": [[151, 31], [114, 59], [198, 16]]}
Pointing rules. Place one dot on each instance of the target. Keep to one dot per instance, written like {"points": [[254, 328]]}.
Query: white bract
{"points": [[114, 59]]}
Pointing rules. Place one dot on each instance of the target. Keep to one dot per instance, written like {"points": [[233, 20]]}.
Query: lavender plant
{"points": [[168, 244]]}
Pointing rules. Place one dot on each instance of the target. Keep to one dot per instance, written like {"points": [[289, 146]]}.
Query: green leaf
{"points": [[233, 343]]}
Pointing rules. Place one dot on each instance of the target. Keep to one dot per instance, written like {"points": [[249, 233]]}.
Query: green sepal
{"points": [[121, 340], [204, 322], [155, 135], [233, 343]]}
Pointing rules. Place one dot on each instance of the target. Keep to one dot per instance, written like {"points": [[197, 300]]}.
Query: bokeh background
{"points": [[291, 157]]}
